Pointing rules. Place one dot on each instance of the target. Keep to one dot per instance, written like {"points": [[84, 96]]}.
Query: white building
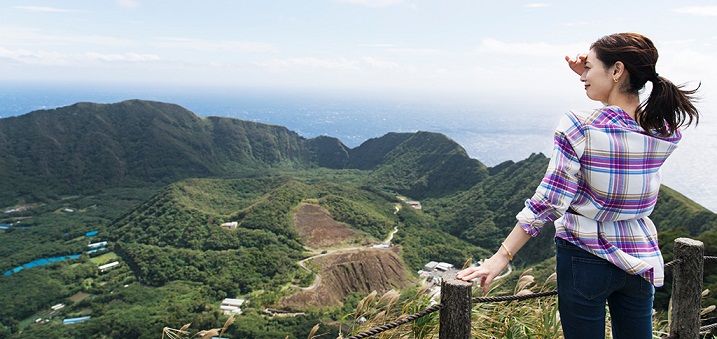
{"points": [[430, 266], [106, 267], [97, 244], [444, 266], [230, 305], [231, 225]]}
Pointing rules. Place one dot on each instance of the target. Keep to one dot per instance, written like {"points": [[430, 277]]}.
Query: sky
{"points": [[505, 54], [511, 50]]}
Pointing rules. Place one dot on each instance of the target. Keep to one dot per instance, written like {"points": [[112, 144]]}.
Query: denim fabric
{"points": [[586, 283]]}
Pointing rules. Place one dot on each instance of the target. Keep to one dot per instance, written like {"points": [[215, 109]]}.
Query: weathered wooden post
{"points": [[687, 289], [457, 302]]}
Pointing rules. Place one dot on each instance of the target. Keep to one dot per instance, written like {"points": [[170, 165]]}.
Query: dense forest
{"points": [[156, 183]]}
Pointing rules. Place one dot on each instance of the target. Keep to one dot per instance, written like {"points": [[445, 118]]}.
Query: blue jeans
{"points": [[586, 282]]}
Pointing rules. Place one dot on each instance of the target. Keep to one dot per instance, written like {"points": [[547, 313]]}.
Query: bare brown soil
{"points": [[361, 270], [319, 230]]}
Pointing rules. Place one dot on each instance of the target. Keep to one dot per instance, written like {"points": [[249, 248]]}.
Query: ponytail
{"points": [[668, 108]]}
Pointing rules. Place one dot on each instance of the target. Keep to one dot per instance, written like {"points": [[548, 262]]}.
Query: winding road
{"points": [[317, 278]]}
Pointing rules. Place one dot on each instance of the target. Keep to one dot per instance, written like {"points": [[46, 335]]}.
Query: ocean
{"points": [[490, 132]]}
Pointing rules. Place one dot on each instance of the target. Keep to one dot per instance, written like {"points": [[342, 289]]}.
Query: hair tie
{"points": [[655, 77]]}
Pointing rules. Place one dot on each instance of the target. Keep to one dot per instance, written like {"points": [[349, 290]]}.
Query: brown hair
{"points": [[669, 106]]}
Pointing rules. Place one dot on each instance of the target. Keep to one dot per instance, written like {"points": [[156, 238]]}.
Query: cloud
{"points": [[536, 5], [21, 36], [214, 46], [129, 4], [372, 3], [282, 65], [44, 9], [339, 64], [123, 57], [54, 58], [527, 48], [698, 10]]}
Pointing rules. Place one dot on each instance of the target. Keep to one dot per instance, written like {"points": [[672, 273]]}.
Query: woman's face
{"points": [[598, 80]]}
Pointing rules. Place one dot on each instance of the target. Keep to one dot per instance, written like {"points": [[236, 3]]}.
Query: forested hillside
{"points": [[194, 210]]}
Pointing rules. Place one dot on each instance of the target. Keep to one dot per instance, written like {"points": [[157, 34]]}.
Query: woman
{"points": [[600, 186]]}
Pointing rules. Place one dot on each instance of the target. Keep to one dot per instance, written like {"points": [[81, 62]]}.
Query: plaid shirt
{"points": [[605, 168]]}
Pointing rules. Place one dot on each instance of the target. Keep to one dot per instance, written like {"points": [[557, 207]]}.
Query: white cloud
{"points": [[361, 65], [213, 46], [528, 48], [281, 65], [54, 58], [536, 5], [44, 9], [129, 4], [698, 10], [372, 3], [380, 63], [123, 57], [19, 36]]}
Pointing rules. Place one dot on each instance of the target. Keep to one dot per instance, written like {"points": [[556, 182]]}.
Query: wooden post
{"points": [[687, 289], [457, 302]]}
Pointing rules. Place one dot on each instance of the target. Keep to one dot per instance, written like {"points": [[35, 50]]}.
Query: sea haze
{"points": [[491, 133]]}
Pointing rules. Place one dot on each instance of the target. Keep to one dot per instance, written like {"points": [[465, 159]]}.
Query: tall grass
{"points": [[531, 318]]}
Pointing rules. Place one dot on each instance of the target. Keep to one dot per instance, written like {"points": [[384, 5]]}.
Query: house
{"points": [[444, 266], [106, 267], [230, 305], [231, 225], [430, 266], [57, 307], [91, 233], [414, 204], [75, 320], [97, 244]]}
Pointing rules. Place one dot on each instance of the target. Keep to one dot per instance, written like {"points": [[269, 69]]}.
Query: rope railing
{"points": [[386, 327], [521, 297]]}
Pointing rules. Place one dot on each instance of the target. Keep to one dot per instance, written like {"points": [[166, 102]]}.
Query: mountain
{"points": [[86, 147], [198, 209], [420, 165]]}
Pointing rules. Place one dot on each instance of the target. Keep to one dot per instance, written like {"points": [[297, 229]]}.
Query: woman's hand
{"points": [[577, 64], [487, 271]]}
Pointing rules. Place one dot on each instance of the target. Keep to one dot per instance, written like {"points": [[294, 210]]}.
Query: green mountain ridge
{"points": [[86, 147]]}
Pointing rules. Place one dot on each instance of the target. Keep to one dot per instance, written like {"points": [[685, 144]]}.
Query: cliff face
{"points": [[362, 270]]}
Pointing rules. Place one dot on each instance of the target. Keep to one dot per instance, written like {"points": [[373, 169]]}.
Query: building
{"points": [[444, 266], [97, 244], [106, 267], [230, 305], [430, 266], [75, 320], [414, 204], [230, 225]]}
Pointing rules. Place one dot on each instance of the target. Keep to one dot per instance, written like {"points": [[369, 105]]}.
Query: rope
{"points": [[396, 323], [708, 327], [673, 262], [514, 297]]}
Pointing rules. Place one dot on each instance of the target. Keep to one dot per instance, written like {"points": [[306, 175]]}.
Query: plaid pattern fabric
{"points": [[605, 168]]}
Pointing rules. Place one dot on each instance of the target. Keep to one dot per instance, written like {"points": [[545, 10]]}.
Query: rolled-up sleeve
{"points": [[561, 181]]}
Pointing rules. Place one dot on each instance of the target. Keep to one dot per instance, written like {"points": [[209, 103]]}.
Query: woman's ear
{"points": [[618, 69]]}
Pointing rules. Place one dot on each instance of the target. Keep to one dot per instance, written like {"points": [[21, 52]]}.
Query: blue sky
{"points": [[477, 49], [498, 53]]}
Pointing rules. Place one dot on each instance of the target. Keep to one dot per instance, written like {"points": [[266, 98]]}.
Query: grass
{"points": [[532, 318], [105, 258]]}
